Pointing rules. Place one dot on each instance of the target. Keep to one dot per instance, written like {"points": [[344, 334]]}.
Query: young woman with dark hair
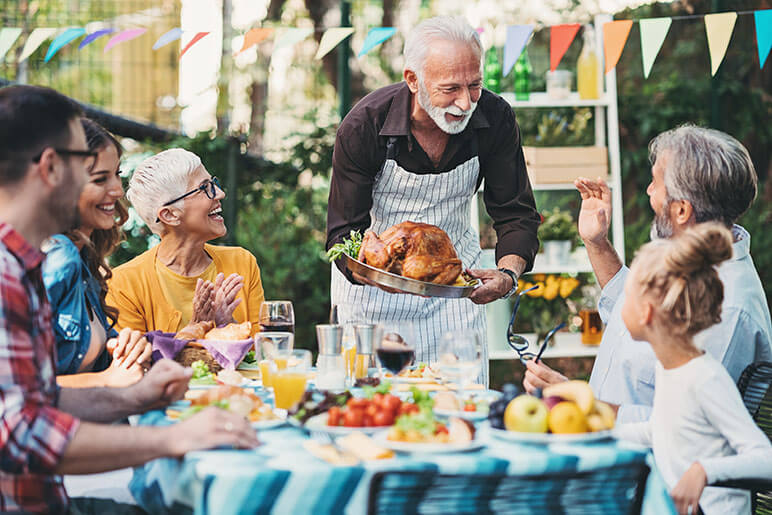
{"points": [[89, 351]]}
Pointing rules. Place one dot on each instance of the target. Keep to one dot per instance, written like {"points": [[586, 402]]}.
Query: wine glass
{"points": [[396, 346], [277, 316], [460, 356]]}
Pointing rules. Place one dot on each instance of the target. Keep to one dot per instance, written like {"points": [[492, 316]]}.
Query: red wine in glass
{"points": [[395, 358]]}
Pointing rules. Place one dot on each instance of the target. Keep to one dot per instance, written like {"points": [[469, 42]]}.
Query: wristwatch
{"points": [[513, 275]]}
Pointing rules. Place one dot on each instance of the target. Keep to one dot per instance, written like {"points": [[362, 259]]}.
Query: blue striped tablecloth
{"points": [[281, 477]]}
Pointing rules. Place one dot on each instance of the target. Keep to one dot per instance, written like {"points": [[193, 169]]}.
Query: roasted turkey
{"points": [[414, 250]]}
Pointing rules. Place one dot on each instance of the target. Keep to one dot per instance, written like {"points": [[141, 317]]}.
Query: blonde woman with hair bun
{"points": [[699, 429]]}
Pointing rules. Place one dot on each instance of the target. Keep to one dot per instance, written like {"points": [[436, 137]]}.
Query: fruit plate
{"points": [[384, 278], [427, 448], [550, 438], [318, 423]]}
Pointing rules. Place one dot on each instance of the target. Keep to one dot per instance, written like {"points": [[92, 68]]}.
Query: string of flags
{"points": [[653, 31]]}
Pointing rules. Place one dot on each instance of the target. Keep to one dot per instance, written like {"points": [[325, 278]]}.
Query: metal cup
{"points": [[330, 338], [366, 335]]}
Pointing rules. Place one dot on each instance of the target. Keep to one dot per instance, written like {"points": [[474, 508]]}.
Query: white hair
{"points": [[159, 179], [448, 28]]}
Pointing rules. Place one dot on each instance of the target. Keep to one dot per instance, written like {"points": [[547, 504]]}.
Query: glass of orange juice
{"points": [[289, 383], [273, 346]]}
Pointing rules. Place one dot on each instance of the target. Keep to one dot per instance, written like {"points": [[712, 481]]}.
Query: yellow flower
{"points": [[552, 288], [567, 286], [537, 292]]}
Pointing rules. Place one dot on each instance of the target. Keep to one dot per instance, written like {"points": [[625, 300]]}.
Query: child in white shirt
{"points": [[699, 430]]}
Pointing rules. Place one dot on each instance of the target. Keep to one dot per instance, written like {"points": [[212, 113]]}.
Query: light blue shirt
{"points": [[624, 369]]}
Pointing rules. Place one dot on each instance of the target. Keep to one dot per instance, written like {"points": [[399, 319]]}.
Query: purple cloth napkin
{"points": [[227, 353]]}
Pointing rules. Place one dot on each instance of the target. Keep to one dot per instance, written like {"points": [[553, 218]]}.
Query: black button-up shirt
{"points": [[360, 150]]}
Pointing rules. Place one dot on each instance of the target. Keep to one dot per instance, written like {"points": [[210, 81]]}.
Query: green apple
{"points": [[526, 414]]}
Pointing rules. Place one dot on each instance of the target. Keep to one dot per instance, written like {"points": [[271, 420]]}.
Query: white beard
{"points": [[437, 114], [661, 226]]}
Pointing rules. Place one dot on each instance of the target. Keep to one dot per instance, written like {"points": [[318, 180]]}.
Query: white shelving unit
{"points": [[606, 134]]}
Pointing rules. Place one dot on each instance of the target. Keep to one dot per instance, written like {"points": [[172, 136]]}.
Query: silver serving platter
{"points": [[384, 278]]}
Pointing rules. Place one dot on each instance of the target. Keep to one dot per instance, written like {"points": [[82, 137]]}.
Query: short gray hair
{"points": [[157, 180], [710, 169], [448, 28]]}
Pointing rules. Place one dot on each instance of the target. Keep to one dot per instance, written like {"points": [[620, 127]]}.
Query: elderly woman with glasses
{"points": [[183, 280]]}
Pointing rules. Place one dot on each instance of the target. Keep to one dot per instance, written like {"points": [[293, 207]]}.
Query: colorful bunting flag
{"points": [[332, 38], [375, 37], [94, 36], [35, 39], [123, 36], [8, 37], [517, 38], [255, 36], [172, 35], [653, 32], [196, 39], [561, 37], [63, 39], [290, 37], [763, 34], [719, 28], [615, 35]]}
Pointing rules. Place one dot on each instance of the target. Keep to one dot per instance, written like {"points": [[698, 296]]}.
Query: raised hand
{"points": [[203, 301], [225, 300], [595, 214]]}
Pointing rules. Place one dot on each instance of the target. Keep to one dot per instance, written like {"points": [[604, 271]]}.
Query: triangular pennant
{"points": [[255, 36], [35, 39], [8, 37], [63, 39], [375, 37], [196, 39], [517, 38], [561, 37], [763, 34], [719, 28], [123, 36], [615, 35], [291, 36], [332, 38], [653, 32], [94, 36], [172, 35]]}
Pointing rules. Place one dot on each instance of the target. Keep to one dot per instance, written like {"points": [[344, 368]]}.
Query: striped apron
{"points": [[441, 199]]}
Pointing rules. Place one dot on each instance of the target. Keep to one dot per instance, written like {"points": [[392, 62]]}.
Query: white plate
{"points": [[319, 423], [427, 448], [270, 424], [549, 438]]}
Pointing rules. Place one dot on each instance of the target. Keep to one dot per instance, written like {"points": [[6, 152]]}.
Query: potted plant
{"points": [[558, 233]]}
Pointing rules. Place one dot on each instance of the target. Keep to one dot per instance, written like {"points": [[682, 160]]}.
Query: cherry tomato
{"points": [[383, 418], [354, 403], [353, 418], [334, 416], [407, 408], [367, 421], [440, 429], [470, 406], [371, 410], [392, 403], [378, 399]]}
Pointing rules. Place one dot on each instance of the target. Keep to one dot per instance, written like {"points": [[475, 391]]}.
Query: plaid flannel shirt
{"points": [[33, 433]]}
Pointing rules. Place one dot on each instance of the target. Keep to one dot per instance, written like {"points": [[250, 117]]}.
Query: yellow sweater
{"points": [[136, 291]]}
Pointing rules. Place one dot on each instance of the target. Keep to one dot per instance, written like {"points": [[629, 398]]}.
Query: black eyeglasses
{"points": [[518, 342], [89, 156], [210, 187]]}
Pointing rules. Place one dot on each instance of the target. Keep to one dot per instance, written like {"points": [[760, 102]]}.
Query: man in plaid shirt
{"points": [[46, 431]]}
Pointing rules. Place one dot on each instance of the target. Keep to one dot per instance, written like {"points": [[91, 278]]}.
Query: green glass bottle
{"points": [[523, 77], [492, 71]]}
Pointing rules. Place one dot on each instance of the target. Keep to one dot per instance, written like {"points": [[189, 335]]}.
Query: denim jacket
{"points": [[68, 284]]}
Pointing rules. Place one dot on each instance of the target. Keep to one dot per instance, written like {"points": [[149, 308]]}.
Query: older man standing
{"points": [[48, 431], [698, 175], [419, 150]]}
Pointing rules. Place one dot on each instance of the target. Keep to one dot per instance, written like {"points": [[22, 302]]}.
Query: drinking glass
{"points": [[289, 383], [277, 316], [396, 347], [272, 345], [460, 356]]}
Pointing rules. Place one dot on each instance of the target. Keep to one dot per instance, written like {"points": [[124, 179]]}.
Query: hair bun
{"points": [[699, 247]]}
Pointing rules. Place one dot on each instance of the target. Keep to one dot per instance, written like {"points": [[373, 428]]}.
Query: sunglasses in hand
{"points": [[519, 343]]}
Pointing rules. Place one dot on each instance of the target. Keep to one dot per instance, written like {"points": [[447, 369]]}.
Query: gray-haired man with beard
{"points": [[698, 175], [418, 151]]}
